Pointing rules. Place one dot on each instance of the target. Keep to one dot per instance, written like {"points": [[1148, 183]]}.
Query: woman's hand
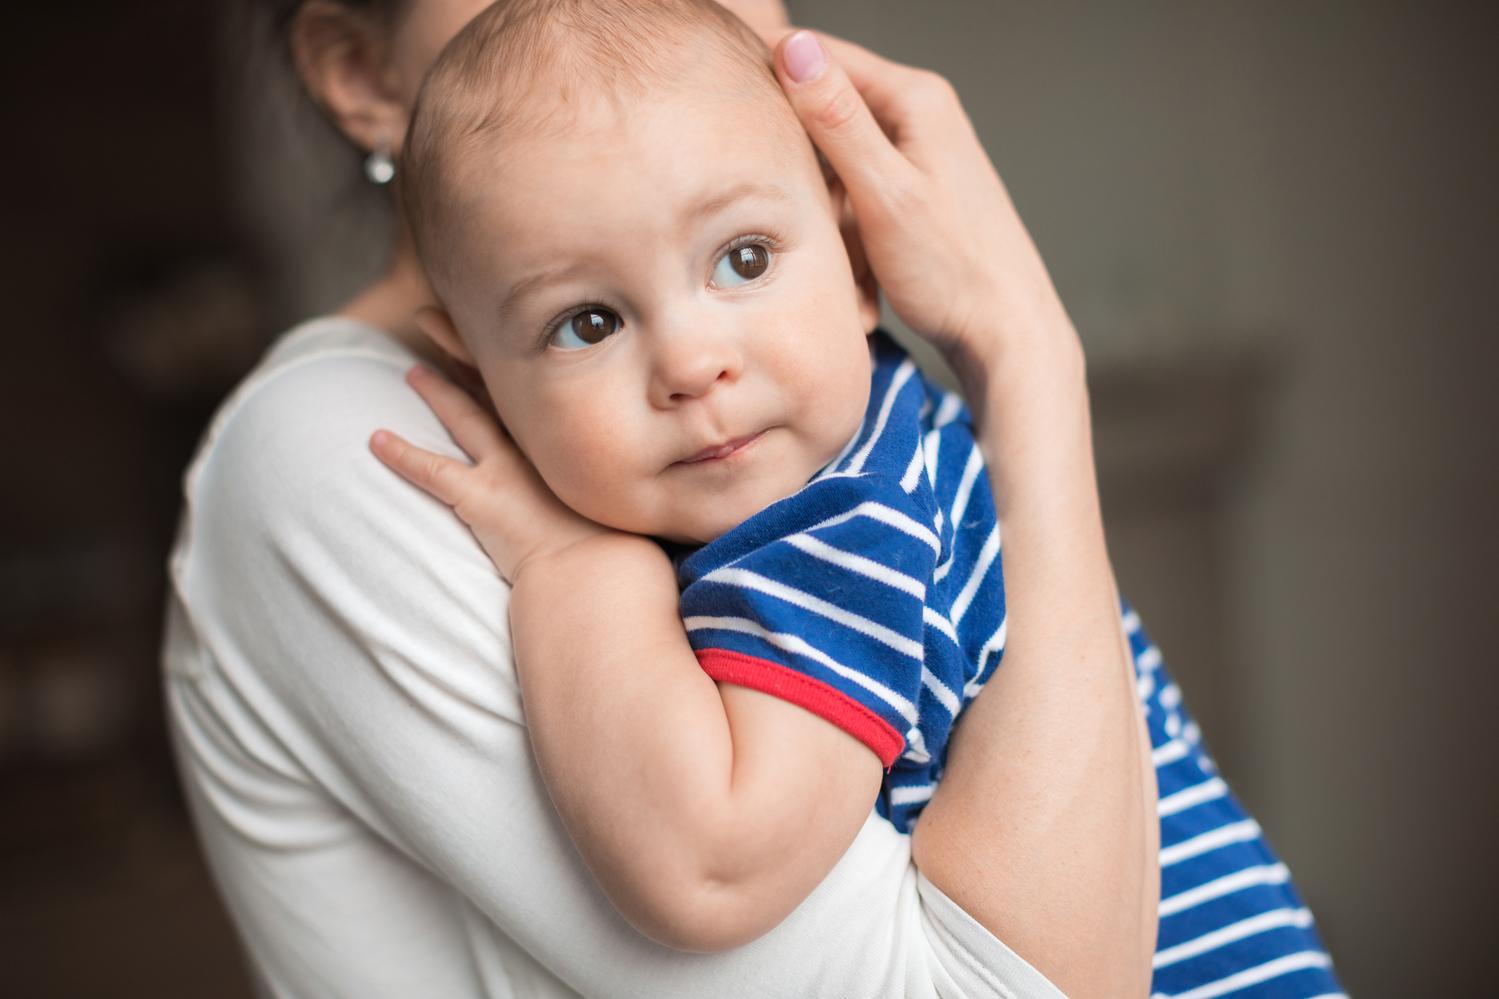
{"points": [[1056, 736], [936, 225], [502, 499]]}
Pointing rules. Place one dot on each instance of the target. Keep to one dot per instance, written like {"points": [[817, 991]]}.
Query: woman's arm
{"points": [[694, 804], [1057, 735], [1044, 825]]}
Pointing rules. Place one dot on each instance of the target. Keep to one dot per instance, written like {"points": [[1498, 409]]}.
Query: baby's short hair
{"points": [[522, 67]]}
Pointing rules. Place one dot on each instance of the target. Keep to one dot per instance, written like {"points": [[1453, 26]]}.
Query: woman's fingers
{"points": [[839, 121], [934, 222], [470, 425], [433, 473], [883, 83]]}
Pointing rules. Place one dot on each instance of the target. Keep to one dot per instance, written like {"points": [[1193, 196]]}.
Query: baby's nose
{"points": [[690, 367]]}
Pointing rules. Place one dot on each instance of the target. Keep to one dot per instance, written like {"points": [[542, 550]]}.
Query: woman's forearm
{"points": [[1044, 826]]}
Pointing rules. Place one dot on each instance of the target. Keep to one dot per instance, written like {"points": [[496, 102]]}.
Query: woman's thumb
{"points": [[835, 116]]}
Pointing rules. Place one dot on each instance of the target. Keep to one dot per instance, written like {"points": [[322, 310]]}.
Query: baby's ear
{"points": [[438, 325], [864, 283], [868, 289]]}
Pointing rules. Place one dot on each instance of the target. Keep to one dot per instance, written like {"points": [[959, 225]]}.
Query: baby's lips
{"points": [[720, 450]]}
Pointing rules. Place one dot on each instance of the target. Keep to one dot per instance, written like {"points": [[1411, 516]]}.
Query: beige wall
{"points": [[1309, 185]]}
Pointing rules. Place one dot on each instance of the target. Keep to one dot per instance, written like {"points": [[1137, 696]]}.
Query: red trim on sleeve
{"points": [[822, 700]]}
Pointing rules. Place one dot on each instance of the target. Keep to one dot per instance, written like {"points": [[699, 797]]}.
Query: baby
{"points": [[635, 246]]}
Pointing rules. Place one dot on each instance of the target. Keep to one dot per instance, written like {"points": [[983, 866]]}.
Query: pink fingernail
{"points": [[803, 57]]}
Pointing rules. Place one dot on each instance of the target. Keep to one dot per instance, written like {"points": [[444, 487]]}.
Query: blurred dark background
{"points": [[1273, 224]]}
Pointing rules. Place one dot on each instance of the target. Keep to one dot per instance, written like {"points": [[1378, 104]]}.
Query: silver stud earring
{"points": [[378, 166]]}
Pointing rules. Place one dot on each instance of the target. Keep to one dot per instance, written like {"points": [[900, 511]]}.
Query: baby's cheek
{"points": [[575, 438], [588, 466], [842, 396], [849, 414]]}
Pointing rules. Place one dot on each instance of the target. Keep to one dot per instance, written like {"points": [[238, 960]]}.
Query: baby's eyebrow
{"points": [[704, 206], [715, 201], [530, 285]]}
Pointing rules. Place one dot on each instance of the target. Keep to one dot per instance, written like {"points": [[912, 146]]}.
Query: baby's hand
{"points": [[500, 496]]}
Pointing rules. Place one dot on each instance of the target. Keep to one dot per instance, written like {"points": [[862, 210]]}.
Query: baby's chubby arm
{"points": [[706, 811]]}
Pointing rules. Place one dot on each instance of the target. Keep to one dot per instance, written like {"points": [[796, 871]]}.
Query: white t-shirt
{"points": [[348, 724]]}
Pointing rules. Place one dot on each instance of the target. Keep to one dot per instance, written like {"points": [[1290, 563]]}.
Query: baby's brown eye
{"points": [[749, 261], [593, 325], [742, 264], [586, 328]]}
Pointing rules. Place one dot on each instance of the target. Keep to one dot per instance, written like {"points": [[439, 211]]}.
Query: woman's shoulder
{"points": [[318, 382], [319, 364], [288, 449]]}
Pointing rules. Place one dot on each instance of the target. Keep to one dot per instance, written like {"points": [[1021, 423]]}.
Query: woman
{"points": [[346, 713]]}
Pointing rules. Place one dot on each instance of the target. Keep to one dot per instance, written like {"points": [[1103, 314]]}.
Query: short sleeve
{"points": [[820, 600]]}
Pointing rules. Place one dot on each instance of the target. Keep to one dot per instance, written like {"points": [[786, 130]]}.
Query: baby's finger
{"points": [[469, 424], [840, 123], [439, 475]]}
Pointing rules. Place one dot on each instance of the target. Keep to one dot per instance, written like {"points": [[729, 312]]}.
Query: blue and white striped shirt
{"points": [[874, 598]]}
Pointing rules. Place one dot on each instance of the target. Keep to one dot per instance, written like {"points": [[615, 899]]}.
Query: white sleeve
{"points": [[349, 724]]}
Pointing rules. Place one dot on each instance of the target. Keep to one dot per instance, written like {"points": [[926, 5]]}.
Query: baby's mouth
{"points": [[715, 452]]}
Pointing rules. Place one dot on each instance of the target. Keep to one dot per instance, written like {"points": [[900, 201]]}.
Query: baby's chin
{"points": [[696, 508], [711, 517], [700, 536], [702, 532], [697, 530], [688, 535]]}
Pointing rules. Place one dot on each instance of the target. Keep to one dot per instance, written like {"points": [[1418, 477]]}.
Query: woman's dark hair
{"points": [[322, 230]]}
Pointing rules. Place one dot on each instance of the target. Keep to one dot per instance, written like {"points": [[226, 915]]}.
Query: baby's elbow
{"points": [[704, 915]]}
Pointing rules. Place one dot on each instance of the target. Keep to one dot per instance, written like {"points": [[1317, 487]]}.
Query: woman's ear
{"points": [[866, 287], [439, 328], [340, 54]]}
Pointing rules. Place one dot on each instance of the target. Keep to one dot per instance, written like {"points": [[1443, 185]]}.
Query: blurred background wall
{"points": [[1271, 223]]}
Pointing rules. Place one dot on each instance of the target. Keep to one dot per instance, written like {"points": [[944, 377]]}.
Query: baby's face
{"points": [[662, 308]]}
